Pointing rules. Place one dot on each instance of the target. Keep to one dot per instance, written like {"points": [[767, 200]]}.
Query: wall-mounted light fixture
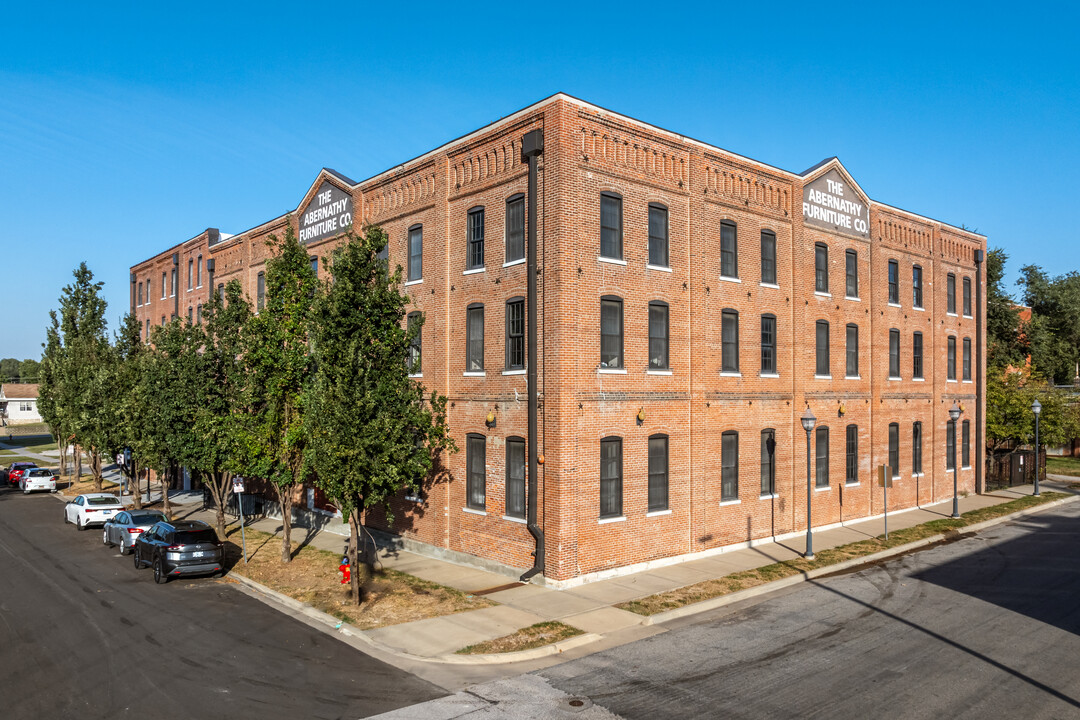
{"points": [[640, 415]]}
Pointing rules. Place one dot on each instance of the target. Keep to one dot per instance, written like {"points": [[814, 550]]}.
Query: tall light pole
{"points": [[808, 421], [954, 415], [1037, 409]]}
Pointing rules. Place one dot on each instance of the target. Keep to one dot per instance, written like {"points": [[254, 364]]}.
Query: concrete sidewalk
{"points": [[588, 607]]}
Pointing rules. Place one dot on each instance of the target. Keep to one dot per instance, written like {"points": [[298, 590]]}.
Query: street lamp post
{"points": [[954, 415], [1037, 409], [808, 421]]}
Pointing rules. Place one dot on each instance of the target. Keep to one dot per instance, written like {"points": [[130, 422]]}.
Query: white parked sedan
{"points": [[91, 509], [38, 479]]}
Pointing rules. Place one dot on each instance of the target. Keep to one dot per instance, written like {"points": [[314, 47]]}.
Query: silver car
{"points": [[123, 528]]}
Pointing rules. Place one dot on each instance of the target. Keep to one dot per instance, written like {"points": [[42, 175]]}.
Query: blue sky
{"points": [[127, 128]]}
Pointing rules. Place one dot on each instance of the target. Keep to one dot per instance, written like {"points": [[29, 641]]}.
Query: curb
{"points": [[334, 626], [721, 601]]}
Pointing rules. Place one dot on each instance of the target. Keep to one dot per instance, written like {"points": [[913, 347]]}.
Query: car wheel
{"points": [[159, 573], [79, 524], [26, 490], [105, 538], [135, 556]]}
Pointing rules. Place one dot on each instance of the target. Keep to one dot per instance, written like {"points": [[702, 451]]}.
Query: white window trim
{"points": [[474, 373], [949, 381], [773, 496], [730, 373], [769, 375], [822, 377], [613, 261], [967, 382], [918, 379], [726, 278], [895, 305], [825, 488], [514, 519], [661, 268], [605, 521], [920, 308], [857, 483], [658, 513], [895, 377], [853, 377], [474, 512], [853, 298], [474, 271], [515, 372], [951, 314], [657, 372], [610, 371], [967, 467], [969, 317], [726, 503], [774, 286], [822, 294], [416, 375], [512, 263], [918, 475], [414, 282]]}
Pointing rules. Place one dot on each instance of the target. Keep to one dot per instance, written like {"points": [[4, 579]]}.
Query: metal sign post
{"points": [[238, 491], [885, 481]]}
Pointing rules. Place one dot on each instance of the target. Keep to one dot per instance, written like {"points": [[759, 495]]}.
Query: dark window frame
{"points": [[515, 485], [768, 344], [660, 357], [821, 460], [894, 449], [474, 347], [965, 363], [474, 233], [416, 356], [476, 478], [615, 233], [950, 444], [611, 486], [607, 340], [659, 478], [659, 243], [851, 455], [768, 255], [950, 357], [917, 355], [821, 268], [916, 286], [950, 294], [729, 347], [894, 354], [515, 237], [894, 282], [768, 462], [821, 350], [851, 351], [729, 256], [916, 448], [965, 444], [729, 467], [515, 334], [414, 240], [260, 291], [967, 296], [851, 274]]}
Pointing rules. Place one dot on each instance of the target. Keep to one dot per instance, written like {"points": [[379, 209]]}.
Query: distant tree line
{"points": [[19, 371], [311, 385]]}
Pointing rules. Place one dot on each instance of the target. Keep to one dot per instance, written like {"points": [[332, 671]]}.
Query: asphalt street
{"points": [[84, 634]]}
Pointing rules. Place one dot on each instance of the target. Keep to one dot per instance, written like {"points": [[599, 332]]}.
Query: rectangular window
{"points": [[894, 283], [474, 338], [916, 286], [768, 344], [851, 262], [139, 296], [415, 348], [768, 462], [822, 352], [314, 266], [916, 448], [163, 286], [852, 369], [967, 359], [729, 341], [416, 253], [950, 444], [515, 229], [198, 314], [476, 472], [768, 257], [967, 296], [198, 272], [611, 477], [729, 466], [611, 333], [894, 449], [260, 291], [658, 473], [476, 239], [950, 364], [821, 268], [916, 355], [189, 311], [851, 456], [611, 226], [658, 235], [147, 338], [190, 263], [821, 469], [894, 353], [965, 444], [515, 477], [515, 334], [729, 248], [950, 293], [658, 336], [172, 283]]}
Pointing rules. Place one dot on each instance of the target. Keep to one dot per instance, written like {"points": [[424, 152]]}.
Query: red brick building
{"points": [[692, 303]]}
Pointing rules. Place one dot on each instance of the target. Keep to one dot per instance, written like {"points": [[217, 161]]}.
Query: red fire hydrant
{"points": [[343, 568]]}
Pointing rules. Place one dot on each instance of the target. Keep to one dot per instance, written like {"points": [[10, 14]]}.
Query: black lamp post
{"points": [[954, 415], [1037, 409], [808, 421]]}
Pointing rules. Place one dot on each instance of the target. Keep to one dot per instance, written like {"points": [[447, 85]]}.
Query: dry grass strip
{"points": [[735, 582], [534, 636]]}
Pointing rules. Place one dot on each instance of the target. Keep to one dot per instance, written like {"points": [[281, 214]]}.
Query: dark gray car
{"points": [[123, 528], [187, 547]]}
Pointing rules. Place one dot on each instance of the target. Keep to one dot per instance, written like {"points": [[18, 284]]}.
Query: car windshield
{"points": [[23, 466], [190, 537], [40, 473], [146, 520], [102, 501]]}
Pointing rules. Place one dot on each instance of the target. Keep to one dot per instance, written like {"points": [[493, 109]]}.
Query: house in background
{"points": [[19, 403]]}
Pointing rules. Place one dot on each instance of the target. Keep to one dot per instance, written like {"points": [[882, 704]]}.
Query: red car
{"points": [[15, 471]]}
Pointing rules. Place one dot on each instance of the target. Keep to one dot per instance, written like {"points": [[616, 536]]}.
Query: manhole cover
{"points": [[577, 704]]}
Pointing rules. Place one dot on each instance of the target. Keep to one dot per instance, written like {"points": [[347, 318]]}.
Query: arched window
{"points": [[611, 333], [658, 473], [611, 477], [474, 338], [821, 333], [476, 471], [658, 335]]}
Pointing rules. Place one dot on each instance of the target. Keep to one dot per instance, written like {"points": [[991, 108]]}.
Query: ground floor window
{"points": [[611, 477]]}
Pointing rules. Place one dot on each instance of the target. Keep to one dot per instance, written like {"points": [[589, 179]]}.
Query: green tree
{"points": [[1054, 331], [278, 364], [53, 391], [1002, 320], [29, 370], [1009, 419], [9, 370], [371, 431], [129, 355]]}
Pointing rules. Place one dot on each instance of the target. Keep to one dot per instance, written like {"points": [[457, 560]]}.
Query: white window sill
{"points": [[605, 521], [514, 372], [514, 519], [950, 381], [416, 375], [918, 379], [661, 268], [729, 373], [657, 372], [852, 484], [725, 278], [768, 375], [893, 377], [474, 271], [658, 513], [823, 377], [774, 286], [968, 317], [822, 294], [610, 371], [968, 382], [949, 314], [514, 262], [920, 308], [414, 282], [725, 503], [773, 496], [896, 305], [853, 377], [916, 475], [852, 298], [965, 467], [613, 261], [824, 488], [198, 287], [474, 373], [474, 512]]}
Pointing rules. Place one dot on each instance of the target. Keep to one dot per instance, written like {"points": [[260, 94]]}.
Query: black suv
{"points": [[188, 547]]}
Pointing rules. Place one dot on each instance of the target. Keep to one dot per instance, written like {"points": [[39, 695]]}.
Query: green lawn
{"points": [[31, 443], [1062, 465]]}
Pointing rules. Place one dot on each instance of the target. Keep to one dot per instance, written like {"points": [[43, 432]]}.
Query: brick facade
{"points": [[588, 152]]}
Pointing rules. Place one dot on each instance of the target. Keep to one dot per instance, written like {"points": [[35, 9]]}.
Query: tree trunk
{"points": [[354, 556], [61, 445], [285, 499], [78, 463], [164, 482], [219, 483], [95, 468], [136, 494]]}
